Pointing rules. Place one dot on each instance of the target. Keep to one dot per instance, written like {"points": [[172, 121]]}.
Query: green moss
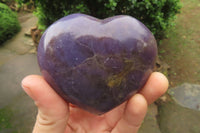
{"points": [[9, 24], [6, 115]]}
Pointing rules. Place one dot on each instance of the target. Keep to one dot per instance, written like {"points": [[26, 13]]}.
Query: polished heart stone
{"points": [[97, 64]]}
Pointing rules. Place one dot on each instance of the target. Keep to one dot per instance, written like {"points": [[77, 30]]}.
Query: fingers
{"points": [[133, 116], [52, 109], [155, 87]]}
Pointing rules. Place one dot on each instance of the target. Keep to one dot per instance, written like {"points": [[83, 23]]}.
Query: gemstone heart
{"points": [[97, 64]]}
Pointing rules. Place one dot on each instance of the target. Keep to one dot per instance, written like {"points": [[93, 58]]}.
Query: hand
{"points": [[57, 116]]}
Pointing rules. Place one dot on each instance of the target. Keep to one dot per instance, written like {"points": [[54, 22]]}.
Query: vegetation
{"points": [[9, 24], [21, 3], [157, 15], [6, 1], [5, 118]]}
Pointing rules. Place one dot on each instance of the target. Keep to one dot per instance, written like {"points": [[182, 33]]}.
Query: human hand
{"points": [[57, 116]]}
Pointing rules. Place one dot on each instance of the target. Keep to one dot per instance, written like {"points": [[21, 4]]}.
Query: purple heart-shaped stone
{"points": [[97, 64]]}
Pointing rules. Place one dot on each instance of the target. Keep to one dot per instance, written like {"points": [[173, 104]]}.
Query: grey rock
{"points": [[187, 95], [28, 33], [174, 118]]}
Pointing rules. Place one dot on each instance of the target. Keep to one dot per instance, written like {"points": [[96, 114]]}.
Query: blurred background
{"points": [[175, 24]]}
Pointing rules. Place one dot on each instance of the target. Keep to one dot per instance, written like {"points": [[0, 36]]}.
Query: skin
{"points": [[57, 116]]}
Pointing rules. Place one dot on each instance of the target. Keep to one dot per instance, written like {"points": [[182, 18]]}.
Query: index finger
{"points": [[155, 87]]}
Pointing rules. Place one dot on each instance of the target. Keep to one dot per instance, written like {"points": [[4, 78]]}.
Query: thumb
{"points": [[53, 111]]}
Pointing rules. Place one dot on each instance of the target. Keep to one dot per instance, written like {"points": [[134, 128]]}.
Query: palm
{"points": [[82, 121], [55, 116]]}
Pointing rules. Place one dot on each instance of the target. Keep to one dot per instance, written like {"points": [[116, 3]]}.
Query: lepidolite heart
{"points": [[97, 64]]}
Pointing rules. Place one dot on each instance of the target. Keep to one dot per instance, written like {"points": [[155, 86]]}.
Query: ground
{"points": [[181, 49], [17, 110]]}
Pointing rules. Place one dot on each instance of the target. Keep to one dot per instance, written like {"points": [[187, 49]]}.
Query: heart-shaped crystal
{"points": [[97, 64]]}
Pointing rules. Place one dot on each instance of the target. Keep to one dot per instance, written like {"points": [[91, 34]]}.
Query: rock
{"points": [[180, 112], [187, 95], [33, 51], [36, 35], [28, 33], [174, 118], [30, 42], [150, 122]]}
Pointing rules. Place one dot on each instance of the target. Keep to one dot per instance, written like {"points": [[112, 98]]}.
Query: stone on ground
{"points": [[187, 95], [180, 114]]}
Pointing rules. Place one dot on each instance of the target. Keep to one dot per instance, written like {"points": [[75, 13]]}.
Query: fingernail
{"points": [[26, 89]]}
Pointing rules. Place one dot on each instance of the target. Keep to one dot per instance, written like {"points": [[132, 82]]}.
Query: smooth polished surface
{"points": [[97, 64]]}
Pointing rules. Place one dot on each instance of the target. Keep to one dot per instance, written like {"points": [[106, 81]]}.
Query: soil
{"points": [[181, 50]]}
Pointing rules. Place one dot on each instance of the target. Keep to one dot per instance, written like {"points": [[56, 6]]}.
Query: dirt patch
{"points": [[23, 16], [181, 50]]}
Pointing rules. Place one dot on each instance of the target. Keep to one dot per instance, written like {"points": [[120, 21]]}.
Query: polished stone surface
{"points": [[97, 64]]}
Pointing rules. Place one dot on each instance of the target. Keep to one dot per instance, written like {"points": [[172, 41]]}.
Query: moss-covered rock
{"points": [[9, 24]]}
